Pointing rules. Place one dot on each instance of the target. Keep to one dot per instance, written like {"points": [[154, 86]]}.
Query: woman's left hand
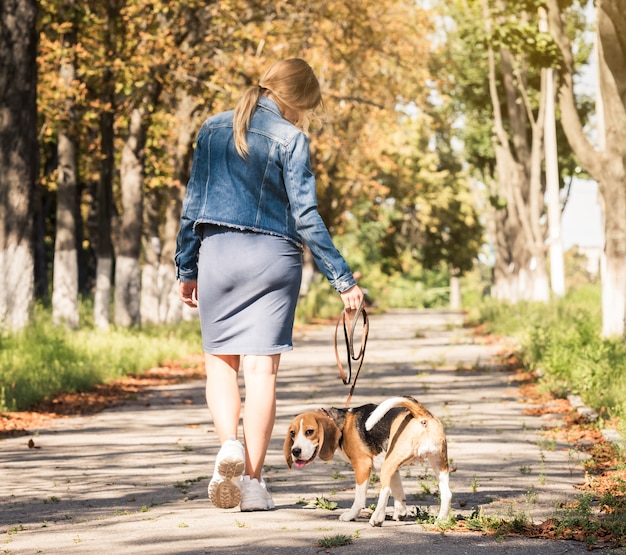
{"points": [[352, 298]]}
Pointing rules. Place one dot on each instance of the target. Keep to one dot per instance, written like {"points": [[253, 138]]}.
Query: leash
{"points": [[349, 326]]}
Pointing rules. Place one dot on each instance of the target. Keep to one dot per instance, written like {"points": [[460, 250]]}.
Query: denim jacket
{"points": [[271, 191]]}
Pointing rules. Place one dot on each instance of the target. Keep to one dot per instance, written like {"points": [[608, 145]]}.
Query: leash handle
{"points": [[348, 332]]}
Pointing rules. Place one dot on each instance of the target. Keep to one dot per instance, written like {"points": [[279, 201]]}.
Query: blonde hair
{"points": [[291, 83]]}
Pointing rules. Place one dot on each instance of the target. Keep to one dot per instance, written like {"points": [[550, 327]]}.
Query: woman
{"points": [[250, 208]]}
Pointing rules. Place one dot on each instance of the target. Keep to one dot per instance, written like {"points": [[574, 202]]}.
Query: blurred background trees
{"points": [[429, 152]]}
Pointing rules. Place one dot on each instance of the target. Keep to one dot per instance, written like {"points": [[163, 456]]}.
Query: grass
{"points": [[43, 360], [579, 520], [562, 340], [338, 540]]}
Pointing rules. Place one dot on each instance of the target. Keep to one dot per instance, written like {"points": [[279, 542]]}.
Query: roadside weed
{"points": [[321, 503], [183, 487], [474, 484], [334, 541]]}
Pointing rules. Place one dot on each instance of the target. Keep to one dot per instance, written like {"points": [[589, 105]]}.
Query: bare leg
{"points": [[260, 408], [222, 394], [224, 401]]}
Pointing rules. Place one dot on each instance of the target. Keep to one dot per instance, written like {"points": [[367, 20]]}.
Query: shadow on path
{"points": [[133, 479]]}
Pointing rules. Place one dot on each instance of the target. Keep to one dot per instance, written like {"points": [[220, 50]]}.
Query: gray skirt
{"points": [[248, 285]]}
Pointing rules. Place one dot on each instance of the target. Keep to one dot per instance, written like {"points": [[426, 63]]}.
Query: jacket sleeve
{"points": [[188, 241], [300, 185]]}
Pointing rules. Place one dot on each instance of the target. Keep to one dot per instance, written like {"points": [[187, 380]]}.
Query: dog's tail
{"points": [[413, 406]]}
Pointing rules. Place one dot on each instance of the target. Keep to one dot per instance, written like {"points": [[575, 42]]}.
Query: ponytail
{"points": [[243, 114]]}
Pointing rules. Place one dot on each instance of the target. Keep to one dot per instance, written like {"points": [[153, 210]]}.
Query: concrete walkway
{"points": [[134, 479]]}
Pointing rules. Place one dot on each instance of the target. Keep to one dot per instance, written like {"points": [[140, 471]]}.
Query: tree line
{"points": [[121, 89], [507, 59], [104, 100]]}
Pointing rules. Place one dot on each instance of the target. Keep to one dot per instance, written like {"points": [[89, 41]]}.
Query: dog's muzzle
{"points": [[296, 453]]}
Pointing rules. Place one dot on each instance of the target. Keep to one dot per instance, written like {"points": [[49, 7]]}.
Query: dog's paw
{"points": [[400, 512], [349, 515], [378, 517]]}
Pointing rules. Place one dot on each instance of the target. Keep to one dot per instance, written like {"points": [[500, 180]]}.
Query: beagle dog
{"points": [[382, 437]]}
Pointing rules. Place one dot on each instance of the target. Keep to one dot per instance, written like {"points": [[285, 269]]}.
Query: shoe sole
{"points": [[224, 495], [252, 509], [256, 508], [229, 469]]}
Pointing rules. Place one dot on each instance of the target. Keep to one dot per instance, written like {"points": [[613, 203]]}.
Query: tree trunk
{"points": [[65, 270], [456, 302], [518, 156], [127, 268], [19, 159], [502, 286], [612, 273], [170, 307], [308, 271], [65, 267], [607, 165], [104, 195], [612, 180], [127, 264], [104, 215], [41, 209], [557, 264], [612, 31], [151, 254]]}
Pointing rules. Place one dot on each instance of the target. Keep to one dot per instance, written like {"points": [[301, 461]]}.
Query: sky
{"points": [[581, 222]]}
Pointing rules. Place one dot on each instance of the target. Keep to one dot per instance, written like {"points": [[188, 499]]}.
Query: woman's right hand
{"points": [[188, 293]]}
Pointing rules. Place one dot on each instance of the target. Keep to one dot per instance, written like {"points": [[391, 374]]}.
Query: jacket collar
{"points": [[269, 104]]}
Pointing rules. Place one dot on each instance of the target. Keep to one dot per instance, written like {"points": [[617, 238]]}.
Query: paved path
{"points": [[134, 479]]}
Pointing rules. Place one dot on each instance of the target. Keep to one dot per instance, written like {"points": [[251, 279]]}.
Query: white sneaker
{"points": [[224, 488], [254, 495]]}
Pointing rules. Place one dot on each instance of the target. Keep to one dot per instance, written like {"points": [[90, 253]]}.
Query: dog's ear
{"points": [[287, 447], [329, 439]]}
